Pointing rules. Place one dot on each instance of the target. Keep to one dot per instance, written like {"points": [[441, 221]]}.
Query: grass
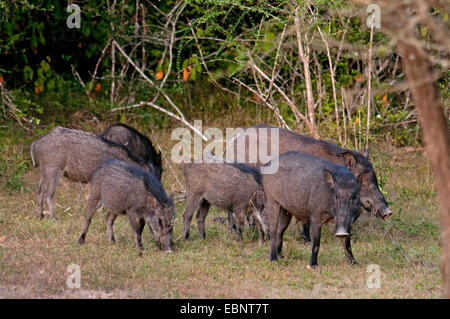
{"points": [[36, 253]]}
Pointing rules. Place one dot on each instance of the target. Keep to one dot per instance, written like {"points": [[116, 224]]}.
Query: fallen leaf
{"points": [[3, 239]]}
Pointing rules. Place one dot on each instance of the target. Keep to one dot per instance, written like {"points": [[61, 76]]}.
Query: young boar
{"points": [[315, 191], [74, 154], [232, 186], [129, 190], [136, 143]]}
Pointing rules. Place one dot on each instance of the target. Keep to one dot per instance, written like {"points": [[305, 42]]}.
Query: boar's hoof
{"points": [[81, 240], [354, 263], [312, 267]]}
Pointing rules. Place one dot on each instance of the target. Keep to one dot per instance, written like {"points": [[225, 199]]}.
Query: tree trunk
{"points": [[418, 70]]}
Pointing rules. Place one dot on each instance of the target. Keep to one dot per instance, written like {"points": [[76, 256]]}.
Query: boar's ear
{"points": [[349, 159], [366, 153], [364, 180], [329, 177]]}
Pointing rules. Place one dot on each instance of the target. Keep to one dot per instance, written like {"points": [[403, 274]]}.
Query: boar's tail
{"points": [[35, 163]]}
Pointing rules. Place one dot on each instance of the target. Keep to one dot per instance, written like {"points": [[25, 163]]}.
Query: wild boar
{"points": [[74, 154], [129, 190], [136, 143], [232, 186], [315, 191]]}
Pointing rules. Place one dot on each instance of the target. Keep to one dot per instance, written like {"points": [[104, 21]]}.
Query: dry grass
{"points": [[35, 255]]}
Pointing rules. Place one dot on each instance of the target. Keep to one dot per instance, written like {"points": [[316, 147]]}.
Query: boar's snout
{"points": [[386, 213], [166, 242], [341, 232], [169, 250]]}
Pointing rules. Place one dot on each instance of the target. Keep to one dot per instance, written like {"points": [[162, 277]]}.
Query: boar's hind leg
{"points": [[138, 225], [40, 196], [49, 187], [315, 234], [93, 200], [284, 221], [109, 226], [192, 202], [201, 215], [348, 250]]}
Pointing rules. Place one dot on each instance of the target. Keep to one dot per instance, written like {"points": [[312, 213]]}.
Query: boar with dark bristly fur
{"points": [[136, 143], [74, 154], [372, 200], [129, 190], [315, 191], [232, 186]]}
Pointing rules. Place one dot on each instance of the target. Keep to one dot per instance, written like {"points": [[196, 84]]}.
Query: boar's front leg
{"points": [[315, 237], [348, 250], [93, 200], [137, 224], [283, 223], [231, 223], [238, 215], [256, 220]]}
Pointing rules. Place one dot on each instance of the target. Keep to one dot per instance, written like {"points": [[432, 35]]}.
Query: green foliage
{"points": [[39, 55]]}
